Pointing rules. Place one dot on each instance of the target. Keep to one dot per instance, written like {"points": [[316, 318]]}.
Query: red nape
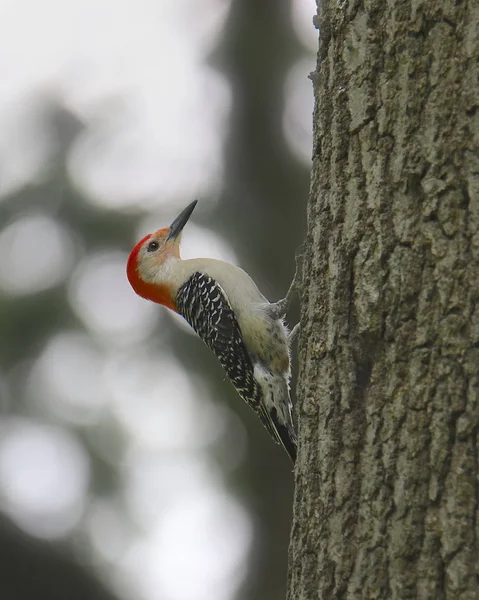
{"points": [[155, 292]]}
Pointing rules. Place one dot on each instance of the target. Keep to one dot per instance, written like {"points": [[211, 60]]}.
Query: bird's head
{"points": [[149, 261]]}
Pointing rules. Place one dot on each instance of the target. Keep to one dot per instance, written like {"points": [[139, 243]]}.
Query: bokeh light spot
{"points": [[68, 378], [101, 296], [108, 529], [201, 546], [44, 475], [154, 399], [138, 154], [36, 252], [298, 112], [302, 14], [156, 481]]}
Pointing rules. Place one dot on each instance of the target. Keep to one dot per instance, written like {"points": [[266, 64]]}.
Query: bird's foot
{"points": [[278, 310]]}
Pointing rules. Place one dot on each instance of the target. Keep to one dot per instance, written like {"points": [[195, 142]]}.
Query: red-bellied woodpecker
{"points": [[223, 305]]}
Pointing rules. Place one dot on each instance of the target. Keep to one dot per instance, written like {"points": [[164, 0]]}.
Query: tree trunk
{"points": [[387, 492]]}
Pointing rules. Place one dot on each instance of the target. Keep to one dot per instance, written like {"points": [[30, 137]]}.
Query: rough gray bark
{"points": [[387, 491]]}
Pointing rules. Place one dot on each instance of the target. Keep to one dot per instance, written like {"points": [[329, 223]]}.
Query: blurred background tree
{"points": [[128, 466]]}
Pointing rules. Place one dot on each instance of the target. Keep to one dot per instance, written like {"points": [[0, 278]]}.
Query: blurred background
{"points": [[129, 468]]}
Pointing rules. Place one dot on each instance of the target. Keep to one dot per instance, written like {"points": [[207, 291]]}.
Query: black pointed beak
{"points": [[181, 220]]}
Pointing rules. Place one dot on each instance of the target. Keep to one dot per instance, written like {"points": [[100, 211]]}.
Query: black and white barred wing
{"points": [[204, 304]]}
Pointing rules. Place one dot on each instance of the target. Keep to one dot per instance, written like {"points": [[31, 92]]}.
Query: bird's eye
{"points": [[152, 246]]}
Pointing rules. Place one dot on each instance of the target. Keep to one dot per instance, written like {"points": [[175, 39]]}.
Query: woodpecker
{"points": [[225, 308]]}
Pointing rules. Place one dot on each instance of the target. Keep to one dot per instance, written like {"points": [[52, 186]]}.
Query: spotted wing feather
{"points": [[204, 304]]}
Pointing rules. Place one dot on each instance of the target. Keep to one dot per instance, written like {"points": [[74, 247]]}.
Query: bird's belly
{"points": [[266, 343]]}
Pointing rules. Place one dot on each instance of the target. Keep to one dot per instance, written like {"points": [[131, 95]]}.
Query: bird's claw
{"points": [[279, 309]]}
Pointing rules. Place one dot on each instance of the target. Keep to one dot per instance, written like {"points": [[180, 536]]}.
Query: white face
{"points": [[154, 254]]}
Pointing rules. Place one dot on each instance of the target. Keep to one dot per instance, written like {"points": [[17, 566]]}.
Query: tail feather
{"points": [[287, 437], [276, 409]]}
